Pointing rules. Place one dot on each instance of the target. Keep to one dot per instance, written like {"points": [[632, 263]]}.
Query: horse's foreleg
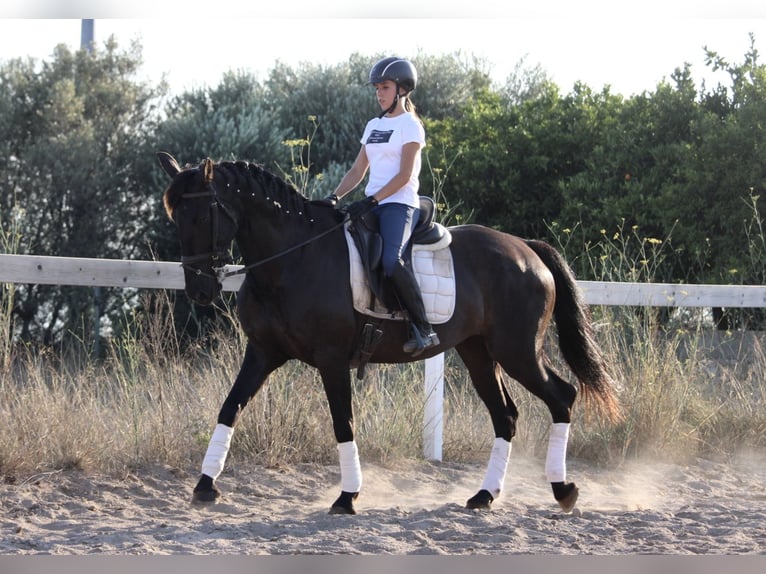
{"points": [[350, 478], [212, 465], [337, 385], [252, 375]]}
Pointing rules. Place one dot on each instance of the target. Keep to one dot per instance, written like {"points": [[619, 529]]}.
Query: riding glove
{"points": [[361, 207]]}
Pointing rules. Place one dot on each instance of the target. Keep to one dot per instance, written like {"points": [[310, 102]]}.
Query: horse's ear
{"points": [[169, 163], [207, 170]]}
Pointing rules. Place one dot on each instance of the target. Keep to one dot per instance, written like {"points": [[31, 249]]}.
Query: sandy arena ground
{"points": [[417, 508]]}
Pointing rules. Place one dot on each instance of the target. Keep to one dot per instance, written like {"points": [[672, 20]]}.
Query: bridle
{"points": [[219, 255]]}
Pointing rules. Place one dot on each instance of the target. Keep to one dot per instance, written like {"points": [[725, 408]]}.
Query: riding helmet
{"points": [[398, 70]]}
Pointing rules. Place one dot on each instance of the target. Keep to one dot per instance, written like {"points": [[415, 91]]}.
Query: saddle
{"points": [[365, 232]]}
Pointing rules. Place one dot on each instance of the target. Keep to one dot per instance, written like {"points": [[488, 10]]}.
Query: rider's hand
{"points": [[361, 207]]}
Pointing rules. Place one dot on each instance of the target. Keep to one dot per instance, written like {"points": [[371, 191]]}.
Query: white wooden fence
{"points": [[46, 270], [167, 275]]}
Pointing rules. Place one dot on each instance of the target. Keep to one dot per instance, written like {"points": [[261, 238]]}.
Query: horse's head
{"points": [[206, 226]]}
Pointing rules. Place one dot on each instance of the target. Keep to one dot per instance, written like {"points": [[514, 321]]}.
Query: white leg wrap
{"points": [[350, 469], [556, 461], [217, 449], [498, 463]]}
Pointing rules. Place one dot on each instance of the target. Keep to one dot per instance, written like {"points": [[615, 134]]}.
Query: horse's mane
{"points": [[240, 176], [246, 178]]}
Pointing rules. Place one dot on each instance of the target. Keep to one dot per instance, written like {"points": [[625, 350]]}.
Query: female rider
{"points": [[391, 145]]}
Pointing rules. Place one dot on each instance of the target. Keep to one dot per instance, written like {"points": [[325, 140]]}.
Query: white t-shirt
{"points": [[383, 139]]}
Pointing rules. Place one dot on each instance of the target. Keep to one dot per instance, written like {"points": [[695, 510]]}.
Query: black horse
{"points": [[296, 303]]}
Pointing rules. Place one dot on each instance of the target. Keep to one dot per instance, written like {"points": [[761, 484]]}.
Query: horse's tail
{"points": [[575, 332]]}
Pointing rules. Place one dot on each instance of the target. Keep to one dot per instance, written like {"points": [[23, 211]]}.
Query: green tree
{"points": [[228, 121], [632, 152], [725, 170], [336, 96], [73, 139], [511, 157]]}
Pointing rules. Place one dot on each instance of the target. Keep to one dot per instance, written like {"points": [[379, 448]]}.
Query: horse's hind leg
{"points": [[564, 492], [559, 396], [252, 375], [490, 387]]}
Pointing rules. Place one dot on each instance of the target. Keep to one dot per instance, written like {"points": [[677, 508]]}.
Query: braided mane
{"points": [[253, 179], [247, 179]]}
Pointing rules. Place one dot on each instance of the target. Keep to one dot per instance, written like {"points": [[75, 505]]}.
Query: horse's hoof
{"points": [[482, 500], [205, 497], [344, 504], [206, 491], [566, 495]]}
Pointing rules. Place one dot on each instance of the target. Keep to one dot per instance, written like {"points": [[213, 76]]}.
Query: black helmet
{"points": [[399, 71]]}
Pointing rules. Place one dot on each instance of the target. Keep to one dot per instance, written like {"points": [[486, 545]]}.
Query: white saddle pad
{"points": [[434, 272]]}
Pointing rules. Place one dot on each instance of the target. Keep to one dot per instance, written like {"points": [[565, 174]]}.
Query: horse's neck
{"points": [[275, 221]]}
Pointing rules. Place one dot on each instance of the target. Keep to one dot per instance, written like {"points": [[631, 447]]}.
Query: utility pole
{"points": [[86, 35]]}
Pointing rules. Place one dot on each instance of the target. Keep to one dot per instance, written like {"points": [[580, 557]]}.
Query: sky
{"points": [[627, 45]]}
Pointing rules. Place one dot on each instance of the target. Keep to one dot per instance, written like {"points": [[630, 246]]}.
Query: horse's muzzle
{"points": [[203, 291]]}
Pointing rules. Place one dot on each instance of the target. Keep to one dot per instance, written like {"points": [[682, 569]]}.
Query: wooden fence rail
{"points": [[168, 275]]}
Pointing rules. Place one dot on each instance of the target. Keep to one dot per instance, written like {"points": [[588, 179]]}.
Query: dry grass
{"points": [[148, 403], [686, 392]]}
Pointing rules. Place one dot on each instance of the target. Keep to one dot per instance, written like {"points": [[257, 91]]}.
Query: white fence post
{"points": [[434, 409]]}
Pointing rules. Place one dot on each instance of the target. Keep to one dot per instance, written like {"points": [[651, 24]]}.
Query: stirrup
{"points": [[419, 343]]}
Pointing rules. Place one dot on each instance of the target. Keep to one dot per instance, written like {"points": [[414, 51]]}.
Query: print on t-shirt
{"points": [[378, 136]]}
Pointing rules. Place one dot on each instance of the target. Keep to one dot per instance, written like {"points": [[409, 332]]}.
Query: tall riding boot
{"points": [[408, 290]]}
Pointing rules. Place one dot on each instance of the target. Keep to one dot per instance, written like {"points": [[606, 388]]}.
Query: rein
{"points": [[245, 269]]}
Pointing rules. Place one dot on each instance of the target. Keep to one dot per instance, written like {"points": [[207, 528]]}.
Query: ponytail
{"points": [[409, 106]]}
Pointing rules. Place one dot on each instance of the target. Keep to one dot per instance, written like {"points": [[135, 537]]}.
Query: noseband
{"points": [[219, 255]]}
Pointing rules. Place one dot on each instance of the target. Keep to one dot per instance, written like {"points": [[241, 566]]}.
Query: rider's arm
{"points": [[354, 175]]}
